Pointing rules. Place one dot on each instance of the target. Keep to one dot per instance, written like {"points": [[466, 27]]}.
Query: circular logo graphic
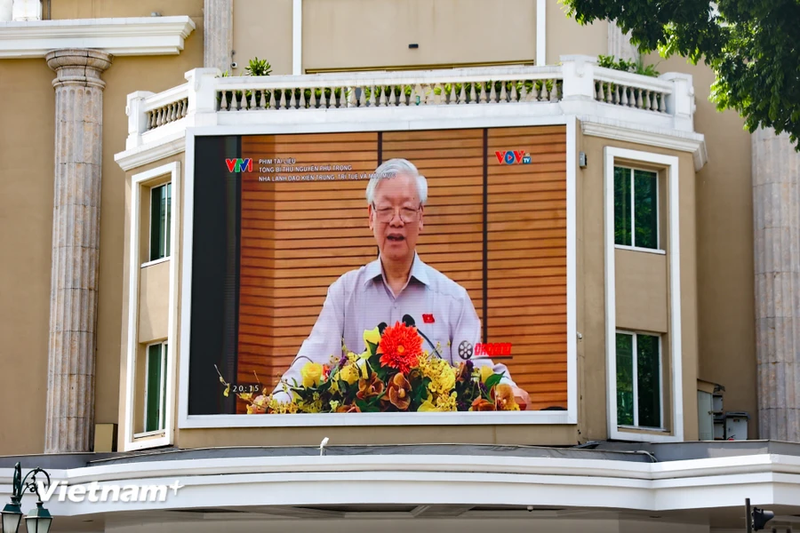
{"points": [[465, 350]]}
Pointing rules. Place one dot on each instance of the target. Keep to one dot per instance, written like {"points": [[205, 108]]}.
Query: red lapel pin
{"points": [[428, 319]]}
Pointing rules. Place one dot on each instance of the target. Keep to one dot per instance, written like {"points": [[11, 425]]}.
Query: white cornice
{"points": [[693, 143], [117, 36], [442, 480], [143, 155]]}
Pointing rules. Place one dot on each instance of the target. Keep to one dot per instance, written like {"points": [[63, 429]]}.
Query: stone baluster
{"points": [[69, 425]]}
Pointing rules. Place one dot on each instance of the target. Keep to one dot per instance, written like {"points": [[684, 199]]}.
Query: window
{"points": [[155, 387], [635, 208], [160, 218], [639, 380]]}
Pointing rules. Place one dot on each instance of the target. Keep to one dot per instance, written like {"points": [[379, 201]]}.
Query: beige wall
{"points": [[641, 291], [26, 206], [539, 435], [264, 30], [26, 222], [127, 74], [725, 272], [154, 302], [591, 306], [368, 33], [87, 9], [350, 34], [565, 36], [716, 205]]}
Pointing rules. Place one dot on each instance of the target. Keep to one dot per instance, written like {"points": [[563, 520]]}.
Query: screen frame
{"points": [[566, 417]]}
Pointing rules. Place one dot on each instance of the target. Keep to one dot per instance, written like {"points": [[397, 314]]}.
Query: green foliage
{"points": [[258, 67], [637, 67], [750, 44]]}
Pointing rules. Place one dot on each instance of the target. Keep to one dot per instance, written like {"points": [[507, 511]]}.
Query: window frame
{"points": [[658, 249], [673, 425], [167, 227], [635, 384], [141, 184], [162, 389]]}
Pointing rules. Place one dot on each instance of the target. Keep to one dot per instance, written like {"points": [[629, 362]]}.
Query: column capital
{"points": [[77, 66]]}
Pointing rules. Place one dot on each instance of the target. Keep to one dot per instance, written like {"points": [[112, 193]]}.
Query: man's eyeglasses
{"points": [[386, 214]]}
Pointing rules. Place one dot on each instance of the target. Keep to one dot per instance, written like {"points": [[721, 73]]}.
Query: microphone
{"points": [[408, 320], [382, 326]]}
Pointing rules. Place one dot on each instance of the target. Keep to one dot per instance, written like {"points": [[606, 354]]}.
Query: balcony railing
{"points": [[577, 86]]}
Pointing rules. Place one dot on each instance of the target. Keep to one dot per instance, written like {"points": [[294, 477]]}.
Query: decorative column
{"points": [[218, 34], [76, 247], [776, 213], [619, 44]]}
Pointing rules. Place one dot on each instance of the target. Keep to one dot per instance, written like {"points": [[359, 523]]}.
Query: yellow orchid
{"points": [[486, 373], [363, 368], [372, 335], [427, 406], [349, 374], [312, 374]]}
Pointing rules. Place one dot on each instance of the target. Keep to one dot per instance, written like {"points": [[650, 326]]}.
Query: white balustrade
{"points": [[442, 88], [578, 86]]}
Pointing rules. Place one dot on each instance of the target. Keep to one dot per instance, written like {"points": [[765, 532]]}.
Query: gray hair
{"points": [[397, 167]]}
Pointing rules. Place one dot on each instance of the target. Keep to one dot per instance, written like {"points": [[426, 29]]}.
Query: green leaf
{"points": [[366, 407], [493, 380]]}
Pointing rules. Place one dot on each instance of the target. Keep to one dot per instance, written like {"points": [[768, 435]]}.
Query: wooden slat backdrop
{"points": [[527, 292], [298, 237]]}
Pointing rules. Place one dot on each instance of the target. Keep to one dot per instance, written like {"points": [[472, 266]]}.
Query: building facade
{"points": [[631, 245]]}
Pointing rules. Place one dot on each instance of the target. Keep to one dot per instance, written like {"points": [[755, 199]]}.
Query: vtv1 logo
{"points": [[239, 165], [513, 157]]}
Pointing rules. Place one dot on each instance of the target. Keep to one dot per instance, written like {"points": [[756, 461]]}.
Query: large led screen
{"points": [[308, 298]]}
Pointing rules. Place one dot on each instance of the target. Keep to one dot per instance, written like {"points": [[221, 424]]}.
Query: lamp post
{"points": [[39, 519]]}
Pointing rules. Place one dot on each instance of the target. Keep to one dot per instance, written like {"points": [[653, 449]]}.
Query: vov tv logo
{"points": [[239, 165], [513, 157]]}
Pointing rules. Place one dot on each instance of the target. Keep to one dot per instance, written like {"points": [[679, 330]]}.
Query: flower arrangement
{"points": [[394, 374]]}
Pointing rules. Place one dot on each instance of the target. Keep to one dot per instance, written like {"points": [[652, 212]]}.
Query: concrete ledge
{"points": [[117, 36]]}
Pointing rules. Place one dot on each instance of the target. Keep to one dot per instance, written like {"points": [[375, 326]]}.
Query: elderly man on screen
{"points": [[396, 284]]}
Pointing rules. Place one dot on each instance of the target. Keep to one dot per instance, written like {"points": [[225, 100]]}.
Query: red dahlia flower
{"points": [[400, 347]]}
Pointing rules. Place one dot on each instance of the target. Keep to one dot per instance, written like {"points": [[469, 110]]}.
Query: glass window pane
{"points": [[649, 371], [157, 215], [163, 388], [167, 218], [624, 379], [645, 188], [622, 206], [153, 393]]}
